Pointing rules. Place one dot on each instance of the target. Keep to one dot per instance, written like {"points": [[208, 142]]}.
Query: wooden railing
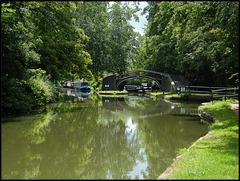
{"points": [[213, 92], [226, 92]]}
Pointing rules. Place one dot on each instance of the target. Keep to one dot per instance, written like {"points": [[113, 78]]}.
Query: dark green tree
{"points": [[195, 39], [62, 42], [40, 42], [121, 36], [92, 17]]}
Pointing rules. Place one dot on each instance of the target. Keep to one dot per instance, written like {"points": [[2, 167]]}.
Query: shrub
{"points": [[22, 95], [96, 85], [43, 90], [14, 98]]}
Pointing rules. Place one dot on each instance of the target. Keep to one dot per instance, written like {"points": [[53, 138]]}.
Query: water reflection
{"points": [[147, 106], [77, 93], [98, 139]]}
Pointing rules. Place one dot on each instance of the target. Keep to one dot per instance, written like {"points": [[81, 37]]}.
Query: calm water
{"points": [[86, 137]]}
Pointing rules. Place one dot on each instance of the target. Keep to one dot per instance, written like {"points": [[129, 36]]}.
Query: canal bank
{"points": [[112, 93], [181, 97], [215, 155]]}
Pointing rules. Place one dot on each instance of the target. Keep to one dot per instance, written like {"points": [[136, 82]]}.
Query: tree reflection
{"points": [[161, 132], [140, 103], [37, 133], [162, 141], [71, 143], [85, 140]]}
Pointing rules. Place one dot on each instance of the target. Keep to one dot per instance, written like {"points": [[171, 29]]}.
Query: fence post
{"points": [[211, 94], [225, 94]]}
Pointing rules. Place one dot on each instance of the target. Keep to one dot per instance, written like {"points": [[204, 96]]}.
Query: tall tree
{"points": [[195, 39], [43, 35], [62, 48], [39, 42], [121, 36], [92, 17], [111, 37]]}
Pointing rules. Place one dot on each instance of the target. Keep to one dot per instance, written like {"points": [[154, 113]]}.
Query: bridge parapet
{"points": [[164, 80]]}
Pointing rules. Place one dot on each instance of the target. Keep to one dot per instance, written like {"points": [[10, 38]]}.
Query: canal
{"points": [[84, 136]]}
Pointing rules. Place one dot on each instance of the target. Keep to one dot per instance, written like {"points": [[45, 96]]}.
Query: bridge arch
{"points": [[122, 82]]}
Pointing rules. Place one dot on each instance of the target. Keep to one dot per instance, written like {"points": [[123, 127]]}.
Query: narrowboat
{"points": [[68, 84], [83, 86]]}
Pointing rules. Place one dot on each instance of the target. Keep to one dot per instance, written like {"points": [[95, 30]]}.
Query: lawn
{"points": [[216, 156]]}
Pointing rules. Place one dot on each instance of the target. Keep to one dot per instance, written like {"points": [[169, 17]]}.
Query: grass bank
{"points": [[215, 156], [182, 96], [112, 93], [161, 94]]}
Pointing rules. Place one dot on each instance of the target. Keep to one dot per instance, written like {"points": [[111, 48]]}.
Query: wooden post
{"points": [[225, 94], [211, 95]]}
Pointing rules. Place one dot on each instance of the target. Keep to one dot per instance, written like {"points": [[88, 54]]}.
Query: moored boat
{"points": [[83, 86], [68, 84]]}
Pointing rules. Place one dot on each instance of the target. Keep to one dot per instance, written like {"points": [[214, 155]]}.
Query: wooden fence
{"points": [[213, 92]]}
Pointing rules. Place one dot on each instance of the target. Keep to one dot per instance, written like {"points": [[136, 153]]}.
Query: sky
{"points": [[142, 19]]}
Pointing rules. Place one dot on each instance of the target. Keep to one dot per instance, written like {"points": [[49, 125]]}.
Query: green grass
{"points": [[217, 155], [163, 94], [112, 93]]}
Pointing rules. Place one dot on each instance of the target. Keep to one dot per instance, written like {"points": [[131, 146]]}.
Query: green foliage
{"points": [[40, 42], [92, 17], [96, 85], [22, 96], [122, 37], [43, 90], [43, 35], [111, 37], [67, 38], [185, 95], [196, 39], [62, 48], [235, 77], [15, 97], [6, 11]]}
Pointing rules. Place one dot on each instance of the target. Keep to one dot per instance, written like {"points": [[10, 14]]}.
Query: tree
{"points": [[111, 37], [62, 48], [195, 39], [39, 42], [47, 38], [92, 17], [121, 35]]}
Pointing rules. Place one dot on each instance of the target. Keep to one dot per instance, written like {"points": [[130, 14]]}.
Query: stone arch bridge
{"points": [[164, 81]]}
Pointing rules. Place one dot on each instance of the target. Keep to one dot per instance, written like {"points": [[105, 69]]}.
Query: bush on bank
{"points": [[216, 156], [20, 96]]}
